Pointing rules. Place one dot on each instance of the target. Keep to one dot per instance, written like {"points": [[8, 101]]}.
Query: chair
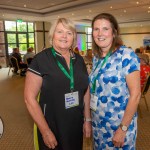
{"points": [[29, 60], [10, 65], [15, 64], [143, 93]]}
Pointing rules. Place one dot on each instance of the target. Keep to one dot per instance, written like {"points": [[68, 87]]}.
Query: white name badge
{"points": [[71, 100], [93, 102]]}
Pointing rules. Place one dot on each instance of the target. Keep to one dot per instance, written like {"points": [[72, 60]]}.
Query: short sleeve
{"points": [[130, 61], [34, 66]]}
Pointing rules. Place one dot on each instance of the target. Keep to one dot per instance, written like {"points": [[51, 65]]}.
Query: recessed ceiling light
{"points": [[124, 11], [137, 3], [24, 5], [111, 7]]}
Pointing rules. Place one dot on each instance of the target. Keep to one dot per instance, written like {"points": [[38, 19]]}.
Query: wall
{"points": [[41, 35], [134, 36], [42, 40]]}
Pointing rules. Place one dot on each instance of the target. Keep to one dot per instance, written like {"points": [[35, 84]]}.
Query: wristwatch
{"points": [[123, 127]]}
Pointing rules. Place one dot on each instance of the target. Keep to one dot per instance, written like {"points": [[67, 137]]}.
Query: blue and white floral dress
{"points": [[113, 95]]}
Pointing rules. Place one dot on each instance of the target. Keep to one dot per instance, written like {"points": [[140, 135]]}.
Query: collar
{"points": [[71, 52]]}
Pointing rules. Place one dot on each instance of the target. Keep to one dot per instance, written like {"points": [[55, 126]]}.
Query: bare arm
{"points": [[87, 114], [33, 84], [133, 82]]}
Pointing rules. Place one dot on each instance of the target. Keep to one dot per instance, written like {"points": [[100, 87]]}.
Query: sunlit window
{"points": [[19, 34], [89, 37]]}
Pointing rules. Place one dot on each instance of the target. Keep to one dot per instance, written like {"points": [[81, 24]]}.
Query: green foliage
{"points": [[22, 34]]}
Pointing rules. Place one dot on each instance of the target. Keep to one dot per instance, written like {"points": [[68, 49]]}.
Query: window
{"points": [[19, 34], [89, 37]]}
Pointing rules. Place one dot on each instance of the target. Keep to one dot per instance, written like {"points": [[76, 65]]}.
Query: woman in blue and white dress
{"points": [[114, 86]]}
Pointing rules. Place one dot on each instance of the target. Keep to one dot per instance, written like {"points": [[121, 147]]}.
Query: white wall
{"points": [[134, 36]]}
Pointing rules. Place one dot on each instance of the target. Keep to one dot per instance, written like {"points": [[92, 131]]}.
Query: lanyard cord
{"points": [[70, 76], [104, 61]]}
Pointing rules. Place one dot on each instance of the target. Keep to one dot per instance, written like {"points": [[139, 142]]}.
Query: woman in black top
{"points": [[63, 112]]}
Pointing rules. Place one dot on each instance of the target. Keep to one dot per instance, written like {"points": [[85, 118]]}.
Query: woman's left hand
{"points": [[119, 138], [87, 129]]}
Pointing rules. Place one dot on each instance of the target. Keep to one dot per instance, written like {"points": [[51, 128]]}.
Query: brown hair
{"points": [[68, 24], [117, 42]]}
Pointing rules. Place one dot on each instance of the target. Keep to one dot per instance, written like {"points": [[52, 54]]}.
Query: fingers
{"points": [[118, 144], [87, 129], [87, 134], [52, 145], [50, 140]]}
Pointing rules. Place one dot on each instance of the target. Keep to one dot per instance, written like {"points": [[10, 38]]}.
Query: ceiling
{"points": [[127, 12]]}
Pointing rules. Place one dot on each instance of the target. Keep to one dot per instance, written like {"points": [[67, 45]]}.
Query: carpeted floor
{"points": [[18, 126]]}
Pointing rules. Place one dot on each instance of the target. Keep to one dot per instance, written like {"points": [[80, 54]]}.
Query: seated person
{"points": [[144, 70], [17, 55], [29, 54], [88, 60]]}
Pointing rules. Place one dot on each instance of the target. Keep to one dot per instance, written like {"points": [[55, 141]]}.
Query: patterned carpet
{"points": [[18, 126]]}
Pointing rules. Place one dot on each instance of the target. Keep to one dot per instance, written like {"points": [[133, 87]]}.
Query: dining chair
{"points": [[144, 92]]}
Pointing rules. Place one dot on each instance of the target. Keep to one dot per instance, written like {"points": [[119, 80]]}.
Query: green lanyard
{"points": [[104, 61], [70, 76]]}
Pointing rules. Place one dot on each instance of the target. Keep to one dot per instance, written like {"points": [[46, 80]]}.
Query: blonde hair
{"points": [[68, 24]]}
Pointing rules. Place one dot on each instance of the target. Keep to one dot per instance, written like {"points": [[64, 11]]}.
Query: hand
{"points": [[119, 138], [87, 129], [50, 140]]}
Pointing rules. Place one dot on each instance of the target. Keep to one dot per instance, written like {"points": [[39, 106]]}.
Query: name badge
{"points": [[71, 100], [93, 102]]}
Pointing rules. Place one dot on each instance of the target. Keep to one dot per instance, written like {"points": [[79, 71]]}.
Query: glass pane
{"points": [[10, 47], [31, 37], [10, 25], [23, 48], [89, 45], [31, 45], [11, 38], [89, 38], [22, 38], [30, 27], [1, 26], [2, 40], [22, 26], [89, 30]]}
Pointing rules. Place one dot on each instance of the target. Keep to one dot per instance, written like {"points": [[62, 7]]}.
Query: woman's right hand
{"points": [[50, 140]]}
